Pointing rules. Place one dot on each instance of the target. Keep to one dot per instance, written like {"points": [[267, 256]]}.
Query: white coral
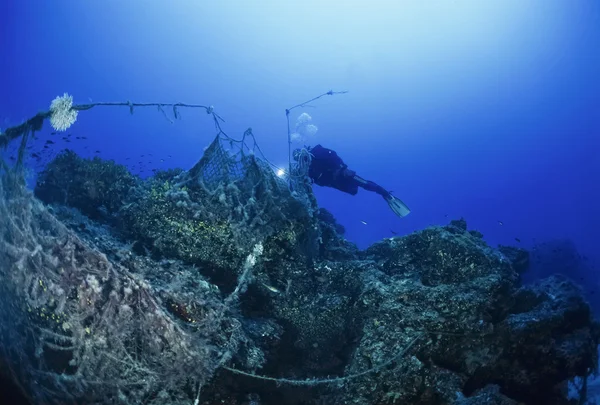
{"points": [[62, 115]]}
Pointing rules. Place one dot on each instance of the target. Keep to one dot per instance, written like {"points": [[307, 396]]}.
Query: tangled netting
{"points": [[78, 327], [73, 324], [236, 173]]}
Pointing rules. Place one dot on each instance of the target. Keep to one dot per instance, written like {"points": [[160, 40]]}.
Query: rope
{"points": [[304, 159], [334, 380], [34, 123]]}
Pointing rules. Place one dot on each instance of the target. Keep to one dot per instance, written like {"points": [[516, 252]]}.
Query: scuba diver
{"points": [[327, 169]]}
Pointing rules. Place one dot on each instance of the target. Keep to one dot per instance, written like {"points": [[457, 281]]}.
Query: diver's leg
{"points": [[372, 186], [343, 180], [396, 205], [347, 185]]}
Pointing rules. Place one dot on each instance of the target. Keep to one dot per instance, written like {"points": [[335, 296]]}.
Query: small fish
{"points": [[97, 151], [49, 142], [363, 222], [393, 232], [518, 240], [271, 288], [500, 223]]}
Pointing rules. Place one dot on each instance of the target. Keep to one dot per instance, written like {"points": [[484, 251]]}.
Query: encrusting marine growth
{"points": [[226, 283]]}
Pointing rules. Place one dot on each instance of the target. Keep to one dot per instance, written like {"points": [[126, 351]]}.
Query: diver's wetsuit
{"points": [[327, 169]]}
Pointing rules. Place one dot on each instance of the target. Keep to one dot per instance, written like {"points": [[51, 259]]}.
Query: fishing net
{"points": [[79, 326], [227, 161]]}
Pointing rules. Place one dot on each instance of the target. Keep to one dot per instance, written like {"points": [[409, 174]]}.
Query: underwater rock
{"points": [[321, 317], [489, 395], [439, 255], [443, 303], [332, 244], [430, 293], [561, 257], [519, 257], [94, 186], [170, 298], [548, 337]]}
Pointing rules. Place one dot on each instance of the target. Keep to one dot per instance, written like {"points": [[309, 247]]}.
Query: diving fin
{"points": [[397, 206]]}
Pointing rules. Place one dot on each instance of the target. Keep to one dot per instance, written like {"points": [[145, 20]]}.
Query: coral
{"points": [[62, 115]]}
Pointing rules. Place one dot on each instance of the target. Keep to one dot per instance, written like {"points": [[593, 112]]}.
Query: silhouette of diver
{"points": [[327, 169]]}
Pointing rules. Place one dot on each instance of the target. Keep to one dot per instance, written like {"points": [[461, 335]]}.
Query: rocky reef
{"points": [[165, 291]]}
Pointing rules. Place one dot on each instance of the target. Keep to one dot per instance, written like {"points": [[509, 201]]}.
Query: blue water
{"points": [[484, 110]]}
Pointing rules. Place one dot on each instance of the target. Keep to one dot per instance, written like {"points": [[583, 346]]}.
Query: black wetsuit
{"points": [[327, 169]]}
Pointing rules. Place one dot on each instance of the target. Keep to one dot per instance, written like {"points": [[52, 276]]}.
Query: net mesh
{"points": [[226, 160], [77, 326], [237, 174]]}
